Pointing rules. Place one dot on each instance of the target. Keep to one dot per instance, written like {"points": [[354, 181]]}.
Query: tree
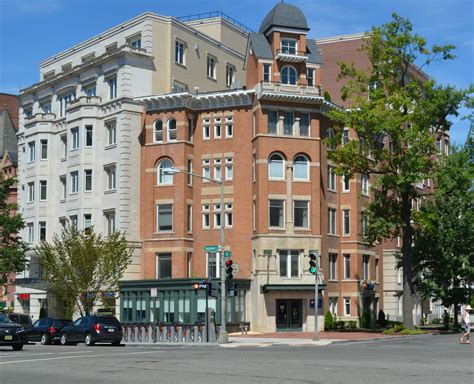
{"points": [[12, 247], [397, 113], [443, 254], [80, 265]]}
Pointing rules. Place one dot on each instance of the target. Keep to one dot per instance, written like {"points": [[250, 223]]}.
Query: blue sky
{"points": [[32, 30]]}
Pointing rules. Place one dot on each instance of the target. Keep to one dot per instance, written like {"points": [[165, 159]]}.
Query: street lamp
{"points": [[223, 336]]}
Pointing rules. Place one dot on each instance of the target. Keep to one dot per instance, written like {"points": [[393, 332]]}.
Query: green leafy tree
{"points": [[12, 247], [397, 113], [80, 265], [444, 244]]}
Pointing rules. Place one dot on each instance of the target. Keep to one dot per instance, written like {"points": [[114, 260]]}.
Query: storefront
{"points": [[175, 300]]}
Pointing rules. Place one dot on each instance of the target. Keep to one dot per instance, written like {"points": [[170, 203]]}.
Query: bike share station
{"points": [[180, 310]]}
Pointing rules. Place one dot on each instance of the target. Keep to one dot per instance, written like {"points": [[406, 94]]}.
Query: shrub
{"points": [[412, 332], [352, 324], [389, 331], [398, 328], [340, 325], [436, 321], [328, 321], [327, 96], [365, 320], [392, 324], [381, 319]]}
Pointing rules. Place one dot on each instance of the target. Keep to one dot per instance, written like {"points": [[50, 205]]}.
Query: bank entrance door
{"points": [[289, 316]]}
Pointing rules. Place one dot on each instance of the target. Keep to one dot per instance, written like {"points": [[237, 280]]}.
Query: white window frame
{"points": [[211, 66], [113, 87], [111, 178], [110, 222], [307, 214], [267, 77], [288, 48], [63, 139], [217, 169], [229, 168], [180, 52], [289, 253], [170, 131], [310, 77], [229, 215], [218, 270], [41, 184], [31, 191], [364, 184], [347, 271], [189, 217], [307, 162], [74, 182], [206, 129], [344, 178], [290, 70], [331, 146], [161, 178], [346, 225], [331, 179], [206, 216], [282, 226], [158, 133], [347, 302], [111, 131], [229, 74], [366, 267], [43, 145], [206, 169], [31, 151], [333, 266], [217, 215], [31, 232], [217, 128], [75, 139], [87, 219], [88, 174], [277, 162], [63, 181], [288, 114], [332, 221], [229, 127], [86, 129]]}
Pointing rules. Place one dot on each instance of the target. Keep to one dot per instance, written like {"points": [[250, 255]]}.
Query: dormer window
{"points": [[288, 46], [288, 75], [266, 72], [310, 77], [135, 41]]}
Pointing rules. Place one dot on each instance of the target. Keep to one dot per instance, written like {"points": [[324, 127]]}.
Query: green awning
{"points": [[291, 287]]}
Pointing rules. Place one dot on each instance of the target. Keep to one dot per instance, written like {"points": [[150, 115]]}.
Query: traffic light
{"points": [[228, 270], [196, 288], [313, 266]]}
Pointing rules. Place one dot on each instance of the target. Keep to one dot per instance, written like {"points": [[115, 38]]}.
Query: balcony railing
{"points": [[297, 89], [83, 100], [40, 117], [290, 55]]}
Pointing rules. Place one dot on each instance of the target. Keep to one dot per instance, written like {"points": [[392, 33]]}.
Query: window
{"points": [[42, 230], [345, 136], [111, 127], [332, 266], [272, 122], [346, 183], [31, 151], [276, 167], [331, 145], [110, 222], [44, 149], [364, 184], [211, 67], [376, 269], [158, 131], [31, 192], [399, 276], [347, 306], [62, 222], [75, 138], [310, 77], [206, 129], [172, 131], [189, 215], [31, 232], [332, 221], [331, 179], [87, 220], [289, 263], [276, 213], [111, 179], [347, 266], [88, 180], [64, 145], [43, 190], [212, 265], [333, 306], [165, 217], [163, 266], [254, 215], [62, 180], [254, 124], [438, 146], [267, 72], [364, 223], [229, 75], [254, 168], [112, 87], [289, 121], [206, 169], [63, 101], [217, 169], [189, 257], [229, 126], [75, 182], [288, 75], [179, 52], [217, 128], [190, 129], [229, 168], [288, 46], [73, 220], [304, 124], [90, 91], [446, 147], [89, 135], [346, 222], [206, 220], [135, 41], [365, 267], [229, 217], [46, 107], [190, 170], [301, 214], [217, 215]]}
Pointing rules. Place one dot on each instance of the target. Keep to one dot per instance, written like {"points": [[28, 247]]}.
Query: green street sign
{"points": [[227, 254], [211, 248]]}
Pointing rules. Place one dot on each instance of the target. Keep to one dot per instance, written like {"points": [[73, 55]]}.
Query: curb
{"points": [[395, 337]]}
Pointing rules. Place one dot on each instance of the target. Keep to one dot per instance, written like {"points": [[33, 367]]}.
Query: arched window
{"points": [[163, 178], [172, 130], [331, 145], [158, 131], [301, 168], [288, 75], [276, 167]]}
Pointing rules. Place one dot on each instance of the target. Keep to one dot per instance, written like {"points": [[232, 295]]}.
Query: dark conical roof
{"points": [[286, 16], [7, 133]]}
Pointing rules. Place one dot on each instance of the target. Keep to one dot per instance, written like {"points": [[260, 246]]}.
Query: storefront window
{"points": [[184, 310], [154, 310], [168, 310]]}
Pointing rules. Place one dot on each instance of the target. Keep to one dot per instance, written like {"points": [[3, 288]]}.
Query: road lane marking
{"points": [[29, 354], [75, 357]]}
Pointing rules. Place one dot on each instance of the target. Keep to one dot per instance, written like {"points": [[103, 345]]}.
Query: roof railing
{"points": [[208, 15]]}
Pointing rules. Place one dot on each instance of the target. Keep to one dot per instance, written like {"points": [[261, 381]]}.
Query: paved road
{"points": [[421, 359]]}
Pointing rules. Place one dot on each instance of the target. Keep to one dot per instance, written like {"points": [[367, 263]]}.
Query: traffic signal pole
{"points": [[316, 306], [223, 336]]}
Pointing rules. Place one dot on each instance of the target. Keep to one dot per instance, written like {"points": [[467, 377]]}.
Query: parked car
{"points": [[46, 330], [93, 329], [11, 334], [20, 319]]}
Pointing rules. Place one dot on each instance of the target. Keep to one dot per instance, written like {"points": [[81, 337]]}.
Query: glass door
{"points": [[289, 315]]}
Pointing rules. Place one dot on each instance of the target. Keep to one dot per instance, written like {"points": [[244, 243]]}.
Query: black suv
{"points": [[11, 334], [46, 330], [92, 329]]}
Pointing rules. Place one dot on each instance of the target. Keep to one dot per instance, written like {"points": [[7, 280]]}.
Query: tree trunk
{"points": [[455, 319], [407, 238]]}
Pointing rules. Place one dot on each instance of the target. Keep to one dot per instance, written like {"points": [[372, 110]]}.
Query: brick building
{"points": [[282, 199]]}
